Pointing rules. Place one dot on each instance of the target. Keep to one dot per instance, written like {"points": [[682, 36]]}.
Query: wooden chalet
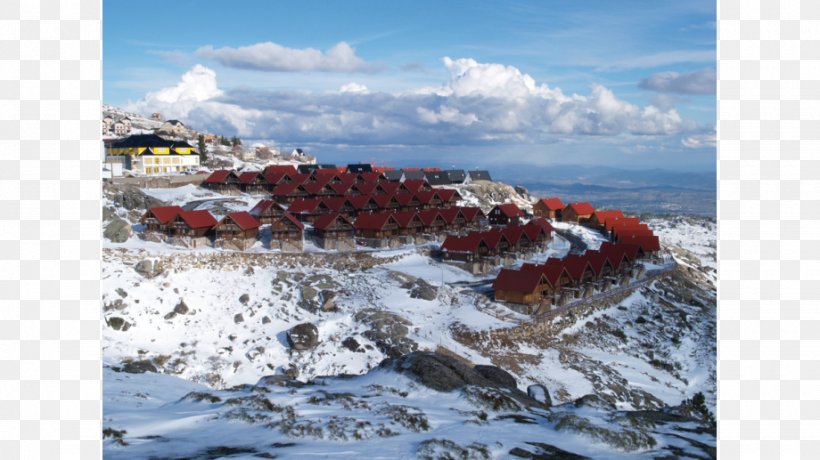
{"points": [[519, 240], [497, 241], [474, 216], [341, 189], [550, 208], [600, 264], [409, 222], [239, 228], [414, 185], [432, 220], [334, 231], [192, 227], [464, 248], [559, 281], [436, 178], [266, 211], [386, 188], [287, 192], [369, 177], [287, 233], [447, 196], [378, 225], [306, 209], [620, 256], [428, 199], [279, 169], [387, 202], [253, 183], [649, 245], [337, 204], [599, 219], [364, 203], [359, 168], [539, 231], [520, 287], [507, 213], [578, 212], [408, 201], [454, 218], [223, 181], [318, 188], [362, 188], [158, 219]]}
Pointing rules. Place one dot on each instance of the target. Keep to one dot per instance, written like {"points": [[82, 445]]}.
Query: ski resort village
{"points": [[259, 303]]}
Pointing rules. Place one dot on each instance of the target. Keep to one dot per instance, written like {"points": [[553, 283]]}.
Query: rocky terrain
{"points": [[252, 338]]}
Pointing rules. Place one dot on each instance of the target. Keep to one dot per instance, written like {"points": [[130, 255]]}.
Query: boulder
{"points": [[351, 344], [594, 401], [149, 268], [304, 336], [440, 372], [238, 318], [388, 331], [181, 308], [539, 393], [496, 375], [118, 324], [420, 289], [244, 299], [139, 367], [328, 300], [118, 230]]}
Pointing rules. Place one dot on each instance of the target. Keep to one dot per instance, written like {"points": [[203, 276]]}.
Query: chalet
{"points": [[393, 176], [620, 256], [578, 212], [428, 199], [279, 169], [369, 177], [436, 178], [413, 186], [581, 271], [544, 232], [305, 209], [649, 245], [447, 196], [325, 176], [464, 248], [334, 231], [521, 287], [342, 188], [158, 219], [173, 128], [375, 229], [518, 239], [266, 211], [507, 213], [253, 183], [628, 231], [337, 204], [223, 181], [363, 203], [478, 174], [497, 241], [287, 193], [287, 233], [474, 216], [362, 188], [548, 207], [454, 218], [306, 168], [433, 221], [359, 168], [409, 222], [238, 230], [559, 288], [318, 188], [600, 219], [408, 201], [191, 227], [600, 264], [387, 188], [456, 176], [387, 202]]}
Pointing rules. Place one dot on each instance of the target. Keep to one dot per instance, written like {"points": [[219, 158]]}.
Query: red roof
{"points": [[273, 178], [604, 217], [424, 197], [284, 189], [314, 188], [300, 205], [374, 221], [446, 194], [280, 169], [510, 210], [334, 203], [361, 201], [404, 199], [553, 204], [551, 272], [582, 208], [299, 178], [542, 224], [492, 237], [248, 177], [218, 177], [471, 213], [262, 206], [524, 282], [383, 200], [348, 178], [430, 169], [647, 243], [197, 219], [597, 259], [342, 188], [295, 221], [469, 243], [622, 222], [614, 254], [404, 218], [513, 233], [449, 214], [326, 220], [389, 188], [413, 185], [364, 188], [631, 251], [428, 216], [243, 219], [165, 214], [370, 177]]}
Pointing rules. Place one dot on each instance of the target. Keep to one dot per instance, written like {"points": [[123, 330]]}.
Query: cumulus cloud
{"points": [[269, 56], [699, 82], [700, 141], [480, 103]]}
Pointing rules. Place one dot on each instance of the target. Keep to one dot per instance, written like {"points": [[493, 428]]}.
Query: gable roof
{"points": [[429, 216], [551, 272], [248, 177], [510, 210], [290, 218], [647, 243], [456, 176], [518, 281], [450, 214], [424, 196], [404, 218], [604, 216], [446, 194], [218, 177], [142, 140], [480, 174], [581, 208], [389, 188], [243, 219], [364, 188], [514, 233], [437, 177], [493, 237], [326, 220], [384, 199], [361, 201], [413, 174], [197, 219], [374, 221], [393, 175], [342, 188], [553, 204], [359, 167], [263, 205], [542, 224], [279, 169], [413, 185], [469, 243], [301, 205], [164, 214], [471, 212], [597, 259]]}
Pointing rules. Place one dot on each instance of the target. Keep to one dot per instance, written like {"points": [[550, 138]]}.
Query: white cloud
{"points": [[481, 103], [274, 57], [353, 87], [700, 141], [699, 82]]}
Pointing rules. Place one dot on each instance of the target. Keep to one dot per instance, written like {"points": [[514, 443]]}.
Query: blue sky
{"points": [[628, 83]]}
